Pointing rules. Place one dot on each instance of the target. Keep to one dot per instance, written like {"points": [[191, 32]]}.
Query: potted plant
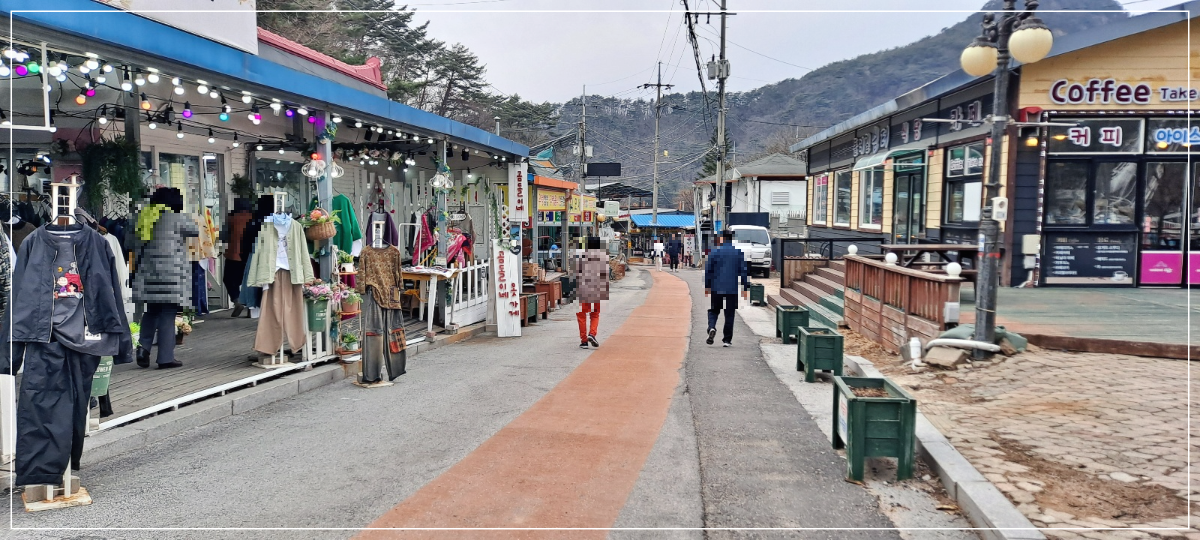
{"points": [[135, 331], [320, 224], [183, 326], [317, 294], [346, 261], [872, 417], [351, 301], [349, 342]]}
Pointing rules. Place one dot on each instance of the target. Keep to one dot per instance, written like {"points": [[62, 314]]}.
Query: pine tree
{"points": [[710, 160]]}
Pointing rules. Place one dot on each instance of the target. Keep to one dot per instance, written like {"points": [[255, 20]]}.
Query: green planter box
{"points": [[531, 307], [787, 319], [318, 314], [102, 377], [818, 349], [873, 426], [758, 294]]}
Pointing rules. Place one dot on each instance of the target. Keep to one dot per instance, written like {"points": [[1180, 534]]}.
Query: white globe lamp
{"points": [[852, 250], [1031, 41], [979, 59], [954, 270], [890, 259]]}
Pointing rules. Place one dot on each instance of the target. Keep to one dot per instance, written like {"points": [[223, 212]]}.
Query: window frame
{"points": [[876, 175], [849, 176], [1093, 163], [821, 206]]}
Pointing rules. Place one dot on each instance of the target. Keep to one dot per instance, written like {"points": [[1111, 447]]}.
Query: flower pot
{"points": [[880, 425], [818, 348], [179, 339], [757, 294], [348, 268], [318, 313], [787, 319], [350, 346], [349, 306]]}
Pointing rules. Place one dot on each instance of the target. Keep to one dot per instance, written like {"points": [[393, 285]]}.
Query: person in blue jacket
{"points": [[726, 266]]}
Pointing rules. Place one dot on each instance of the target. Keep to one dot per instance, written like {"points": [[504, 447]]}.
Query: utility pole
{"points": [[722, 68], [657, 110], [581, 142]]}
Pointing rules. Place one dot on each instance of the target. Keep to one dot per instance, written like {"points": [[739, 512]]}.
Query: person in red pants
{"points": [[593, 287]]}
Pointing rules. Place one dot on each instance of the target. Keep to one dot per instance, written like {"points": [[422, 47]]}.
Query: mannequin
{"points": [[280, 265], [383, 341]]}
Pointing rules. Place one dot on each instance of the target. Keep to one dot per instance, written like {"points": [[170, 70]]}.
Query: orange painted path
{"points": [[572, 459]]}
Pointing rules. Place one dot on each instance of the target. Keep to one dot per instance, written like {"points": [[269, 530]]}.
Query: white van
{"points": [[755, 244]]}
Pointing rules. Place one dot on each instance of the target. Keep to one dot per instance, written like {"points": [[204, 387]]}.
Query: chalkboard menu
{"points": [[1095, 259]]}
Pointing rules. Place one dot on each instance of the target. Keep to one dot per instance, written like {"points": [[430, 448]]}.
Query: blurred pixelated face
{"points": [[593, 275]]}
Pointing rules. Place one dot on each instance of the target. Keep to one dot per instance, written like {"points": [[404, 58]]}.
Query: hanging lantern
{"points": [[335, 170], [314, 168]]}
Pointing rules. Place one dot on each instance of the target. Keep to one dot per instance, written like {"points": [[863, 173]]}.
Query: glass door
{"points": [[908, 215], [1161, 242]]}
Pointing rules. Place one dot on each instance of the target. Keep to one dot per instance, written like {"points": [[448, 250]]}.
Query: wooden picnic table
{"points": [[910, 254]]}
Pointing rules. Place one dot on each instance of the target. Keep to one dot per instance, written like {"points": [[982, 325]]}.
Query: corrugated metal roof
{"points": [[770, 165], [675, 221]]}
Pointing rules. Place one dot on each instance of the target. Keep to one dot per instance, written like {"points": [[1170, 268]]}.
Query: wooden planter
{"points": [[543, 304], [758, 294], [818, 349], [787, 319], [529, 309], [873, 426], [553, 291]]}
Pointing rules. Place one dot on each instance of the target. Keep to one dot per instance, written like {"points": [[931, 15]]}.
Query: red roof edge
{"points": [[369, 73]]}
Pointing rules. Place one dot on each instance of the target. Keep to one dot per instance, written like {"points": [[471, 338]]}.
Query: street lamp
{"points": [[1028, 40]]}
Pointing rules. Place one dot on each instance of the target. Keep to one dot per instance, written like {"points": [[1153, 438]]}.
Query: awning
{"points": [[670, 221], [878, 159]]}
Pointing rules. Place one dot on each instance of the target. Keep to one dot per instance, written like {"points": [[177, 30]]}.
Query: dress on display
{"points": [[383, 341], [280, 265]]}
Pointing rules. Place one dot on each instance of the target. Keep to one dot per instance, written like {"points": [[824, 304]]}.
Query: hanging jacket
{"points": [[347, 229], [33, 292], [390, 236], [262, 262]]}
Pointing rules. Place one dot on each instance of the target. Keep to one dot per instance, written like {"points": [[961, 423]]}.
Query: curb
{"points": [[983, 503], [119, 440]]}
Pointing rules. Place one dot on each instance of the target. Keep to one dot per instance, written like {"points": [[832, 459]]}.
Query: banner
{"points": [[518, 192], [551, 200], [507, 291]]}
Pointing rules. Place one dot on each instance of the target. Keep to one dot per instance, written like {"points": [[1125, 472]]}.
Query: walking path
{"points": [[570, 460]]}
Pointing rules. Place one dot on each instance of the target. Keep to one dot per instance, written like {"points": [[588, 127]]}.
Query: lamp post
{"points": [[1026, 38]]}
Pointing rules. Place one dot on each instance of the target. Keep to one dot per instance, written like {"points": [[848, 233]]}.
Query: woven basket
{"points": [[323, 231]]}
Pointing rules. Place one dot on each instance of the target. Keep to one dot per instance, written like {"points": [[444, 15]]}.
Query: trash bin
{"points": [[878, 425]]}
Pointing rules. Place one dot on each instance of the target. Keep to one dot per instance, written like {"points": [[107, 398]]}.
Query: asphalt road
{"points": [[736, 448]]}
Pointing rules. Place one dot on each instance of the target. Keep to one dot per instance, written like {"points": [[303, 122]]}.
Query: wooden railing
{"points": [[889, 304]]}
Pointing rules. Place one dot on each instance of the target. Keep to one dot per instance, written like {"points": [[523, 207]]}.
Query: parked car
{"points": [[755, 244]]}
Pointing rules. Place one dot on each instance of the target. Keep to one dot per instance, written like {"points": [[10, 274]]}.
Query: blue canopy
{"points": [[668, 221]]}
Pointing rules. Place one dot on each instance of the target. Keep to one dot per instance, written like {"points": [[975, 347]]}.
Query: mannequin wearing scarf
{"points": [[280, 265]]}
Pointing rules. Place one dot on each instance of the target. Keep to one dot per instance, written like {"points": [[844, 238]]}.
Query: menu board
{"points": [[1095, 259]]}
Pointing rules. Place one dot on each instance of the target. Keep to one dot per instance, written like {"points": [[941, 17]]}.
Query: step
{"points": [[777, 300], [838, 264], [825, 284], [791, 297], [836, 276], [808, 290], [834, 304], [819, 315]]}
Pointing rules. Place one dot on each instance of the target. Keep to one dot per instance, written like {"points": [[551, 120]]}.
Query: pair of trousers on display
{"points": [[584, 309], [159, 320], [283, 312], [383, 341], [730, 303], [52, 410]]}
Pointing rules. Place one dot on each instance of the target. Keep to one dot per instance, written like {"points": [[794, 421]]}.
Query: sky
{"points": [[572, 43]]}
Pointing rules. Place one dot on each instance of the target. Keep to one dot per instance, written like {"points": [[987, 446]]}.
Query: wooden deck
{"points": [[1152, 321], [215, 353]]}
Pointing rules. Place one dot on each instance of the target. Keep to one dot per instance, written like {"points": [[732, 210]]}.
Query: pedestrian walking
{"points": [[659, 248], [724, 269], [675, 251], [593, 287]]}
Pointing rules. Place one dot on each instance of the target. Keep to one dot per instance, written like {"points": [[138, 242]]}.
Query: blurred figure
{"points": [[675, 251], [593, 287], [724, 269]]}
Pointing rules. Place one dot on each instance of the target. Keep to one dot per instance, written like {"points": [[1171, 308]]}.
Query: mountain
{"points": [[776, 115]]}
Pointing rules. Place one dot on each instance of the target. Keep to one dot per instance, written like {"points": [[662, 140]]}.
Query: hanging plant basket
{"points": [[322, 230]]}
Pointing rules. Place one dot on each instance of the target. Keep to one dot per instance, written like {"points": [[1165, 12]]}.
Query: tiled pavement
{"points": [[1074, 439]]}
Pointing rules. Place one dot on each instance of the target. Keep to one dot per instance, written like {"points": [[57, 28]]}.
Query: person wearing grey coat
{"points": [[162, 277], [593, 287]]}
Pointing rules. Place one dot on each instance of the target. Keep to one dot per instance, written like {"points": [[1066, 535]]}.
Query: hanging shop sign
{"points": [[1171, 135], [1099, 91], [965, 160], [1090, 259], [1096, 136], [871, 140], [507, 291], [963, 116], [518, 191]]}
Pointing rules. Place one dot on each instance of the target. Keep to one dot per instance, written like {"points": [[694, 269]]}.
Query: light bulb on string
{"points": [[5, 70], [225, 108], [53, 70], [81, 99], [101, 79], [211, 139], [176, 81], [357, 124], [289, 113], [337, 119], [236, 143], [108, 68], [312, 119], [276, 106], [152, 78], [139, 79], [224, 116], [303, 111], [281, 151], [213, 94], [145, 102], [179, 90], [247, 98], [254, 114], [202, 87], [83, 69], [20, 70], [179, 133], [187, 109], [92, 63], [260, 146], [150, 119], [103, 119]]}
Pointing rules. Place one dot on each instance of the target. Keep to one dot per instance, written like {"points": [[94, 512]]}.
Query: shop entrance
{"points": [[908, 216], [1161, 261]]}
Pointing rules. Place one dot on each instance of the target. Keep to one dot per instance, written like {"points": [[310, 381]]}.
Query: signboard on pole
{"points": [[518, 192], [507, 291]]}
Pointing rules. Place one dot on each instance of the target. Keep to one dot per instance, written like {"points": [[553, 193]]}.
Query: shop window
{"points": [[842, 200], [183, 172], [870, 208], [821, 199], [1162, 223], [1114, 195], [964, 183], [1194, 222], [1066, 193]]}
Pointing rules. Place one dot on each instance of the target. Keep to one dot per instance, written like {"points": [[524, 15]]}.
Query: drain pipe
{"points": [[962, 344]]}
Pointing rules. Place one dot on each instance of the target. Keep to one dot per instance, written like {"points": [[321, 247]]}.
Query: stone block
{"points": [[111, 443], [318, 377], [192, 416], [945, 357], [263, 394], [987, 507]]}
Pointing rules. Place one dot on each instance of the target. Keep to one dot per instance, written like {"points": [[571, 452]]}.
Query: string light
{"points": [[235, 140], [289, 113], [20, 70], [107, 68], [246, 97], [337, 119], [179, 134], [175, 81], [145, 102], [211, 139], [357, 124], [224, 116], [91, 62], [302, 111], [103, 115], [254, 115], [179, 90], [260, 146], [152, 78], [81, 99], [139, 79], [213, 94], [281, 151], [53, 70], [4, 70], [202, 87], [187, 109], [312, 119]]}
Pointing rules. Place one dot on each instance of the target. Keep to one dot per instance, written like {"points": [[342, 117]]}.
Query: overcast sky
{"points": [[546, 50]]}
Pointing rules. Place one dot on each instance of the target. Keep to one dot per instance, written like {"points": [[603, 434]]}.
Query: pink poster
{"points": [[1162, 268]]}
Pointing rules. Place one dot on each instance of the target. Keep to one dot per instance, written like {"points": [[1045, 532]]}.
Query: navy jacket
{"points": [[33, 291], [674, 247], [725, 266]]}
